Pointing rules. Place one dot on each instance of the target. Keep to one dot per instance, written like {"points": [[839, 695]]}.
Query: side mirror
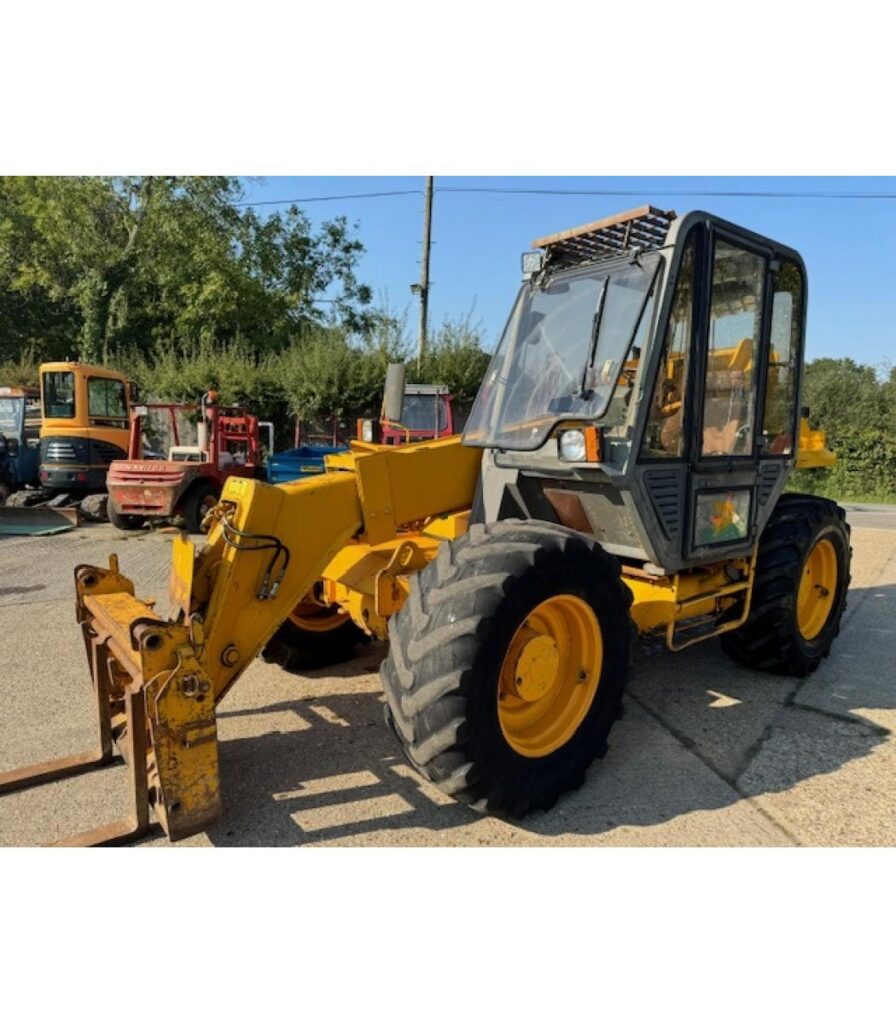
{"points": [[393, 394], [133, 392]]}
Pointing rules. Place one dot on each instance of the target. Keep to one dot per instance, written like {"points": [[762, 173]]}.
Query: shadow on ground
{"points": [[694, 728]]}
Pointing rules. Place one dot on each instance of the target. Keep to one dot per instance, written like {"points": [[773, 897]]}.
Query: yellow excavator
{"points": [[622, 472]]}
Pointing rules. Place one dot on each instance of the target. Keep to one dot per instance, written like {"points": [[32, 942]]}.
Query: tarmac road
{"points": [[707, 754], [880, 517]]}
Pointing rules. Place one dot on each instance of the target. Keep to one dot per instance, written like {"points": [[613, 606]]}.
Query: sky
{"points": [[477, 239]]}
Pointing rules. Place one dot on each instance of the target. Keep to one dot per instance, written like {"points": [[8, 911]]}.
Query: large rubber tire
{"points": [[448, 644], [196, 504], [771, 638], [297, 650], [121, 521]]}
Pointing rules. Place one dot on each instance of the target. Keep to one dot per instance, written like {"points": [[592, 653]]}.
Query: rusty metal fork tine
{"points": [[50, 771], [137, 824], [77, 764]]}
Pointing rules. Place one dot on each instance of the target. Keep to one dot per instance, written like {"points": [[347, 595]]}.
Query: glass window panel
{"points": [[783, 363], [663, 436], [59, 394], [721, 516], [735, 321], [106, 398]]}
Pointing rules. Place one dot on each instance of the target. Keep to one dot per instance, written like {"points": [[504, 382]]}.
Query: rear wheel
{"points": [[507, 664], [799, 593], [121, 521], [197, 504], [314, 636]]}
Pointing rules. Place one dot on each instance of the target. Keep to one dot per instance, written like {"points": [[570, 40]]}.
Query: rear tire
{"points": [[296, 649], [791, 627], [475, 614], [121, 521], [197, 503]]}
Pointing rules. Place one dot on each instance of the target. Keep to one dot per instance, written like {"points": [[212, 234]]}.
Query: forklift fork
{"points": [[121, 720]]}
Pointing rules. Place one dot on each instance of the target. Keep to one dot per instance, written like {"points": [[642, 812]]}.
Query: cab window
{"points": [[735, 322], [59, 394], [419, 412], [783, 360], [663, 437], [106, 399]]}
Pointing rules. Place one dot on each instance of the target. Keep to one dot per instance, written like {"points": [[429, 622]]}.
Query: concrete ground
{"points": [[708, 754]]}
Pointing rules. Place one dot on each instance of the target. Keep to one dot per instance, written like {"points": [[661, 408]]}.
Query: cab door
{"points": [[725, 436]]}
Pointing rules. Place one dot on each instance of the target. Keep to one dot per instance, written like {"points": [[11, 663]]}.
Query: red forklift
{"points": [[189, 481]]}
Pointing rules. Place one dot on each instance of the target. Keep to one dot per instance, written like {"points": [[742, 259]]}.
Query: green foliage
{"points": [[20, 371], [95, 265], [455, 358], [856, 407], [327, 374]]}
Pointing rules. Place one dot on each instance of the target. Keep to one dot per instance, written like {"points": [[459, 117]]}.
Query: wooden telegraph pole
{"points": [[424, 272]]}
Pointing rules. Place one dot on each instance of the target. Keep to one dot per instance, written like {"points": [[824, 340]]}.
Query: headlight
{"points": [[572, 446]]}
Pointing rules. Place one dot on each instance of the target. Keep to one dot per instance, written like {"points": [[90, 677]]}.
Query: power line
{"points": [[326, 199], [670, 192], [496, 190]]}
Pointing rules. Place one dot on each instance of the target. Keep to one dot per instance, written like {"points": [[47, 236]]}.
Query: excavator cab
{"points": [[85, 425], [622, 473]]}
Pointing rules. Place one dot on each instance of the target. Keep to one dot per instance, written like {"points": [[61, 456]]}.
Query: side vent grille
{"points": [[104, 453], [768, 477], [664, 488], [60, 451]]}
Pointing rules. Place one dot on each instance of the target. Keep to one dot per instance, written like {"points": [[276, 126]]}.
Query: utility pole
{"points": [[423, 288]]}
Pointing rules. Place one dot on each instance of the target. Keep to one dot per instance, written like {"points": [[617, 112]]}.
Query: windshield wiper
{"points": [[586, 392]]}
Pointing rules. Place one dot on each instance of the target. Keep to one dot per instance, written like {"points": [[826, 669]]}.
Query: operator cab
{"points": [[646, 387]]}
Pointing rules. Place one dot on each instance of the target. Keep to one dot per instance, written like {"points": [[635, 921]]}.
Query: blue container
{"points": [[299, 462]]}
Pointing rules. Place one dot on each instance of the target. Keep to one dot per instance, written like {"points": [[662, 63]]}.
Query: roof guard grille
{"points": [[642, 228]]}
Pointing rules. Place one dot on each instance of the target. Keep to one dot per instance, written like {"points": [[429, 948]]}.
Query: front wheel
{"points": [[507, 664], [197, 504], [799, 592]]}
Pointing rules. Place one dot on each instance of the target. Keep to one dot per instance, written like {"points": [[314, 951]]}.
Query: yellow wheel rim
{"points": [[818, 587], [550, 675], [316, 618]]}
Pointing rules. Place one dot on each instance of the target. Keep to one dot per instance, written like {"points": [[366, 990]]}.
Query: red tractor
{"points": [[410, 412], [189, 481]]}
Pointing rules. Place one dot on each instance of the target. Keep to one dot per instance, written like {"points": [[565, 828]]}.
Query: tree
{"points": [[455, 358], [93, 265]]}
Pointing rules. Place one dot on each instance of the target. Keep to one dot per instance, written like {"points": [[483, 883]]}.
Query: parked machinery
{"points": [[623, 471], [85, 425], [188, 483], [19, 439]]}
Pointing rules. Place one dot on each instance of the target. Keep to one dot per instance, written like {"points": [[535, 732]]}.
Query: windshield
{"points": [[561, 355], [11, 415], [419, 413], [59, 394]]}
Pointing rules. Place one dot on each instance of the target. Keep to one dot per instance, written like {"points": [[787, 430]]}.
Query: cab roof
{"points": [[73, 366]]}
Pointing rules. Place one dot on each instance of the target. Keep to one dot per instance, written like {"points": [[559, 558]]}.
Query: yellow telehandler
{"points": [[623, 471]]}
